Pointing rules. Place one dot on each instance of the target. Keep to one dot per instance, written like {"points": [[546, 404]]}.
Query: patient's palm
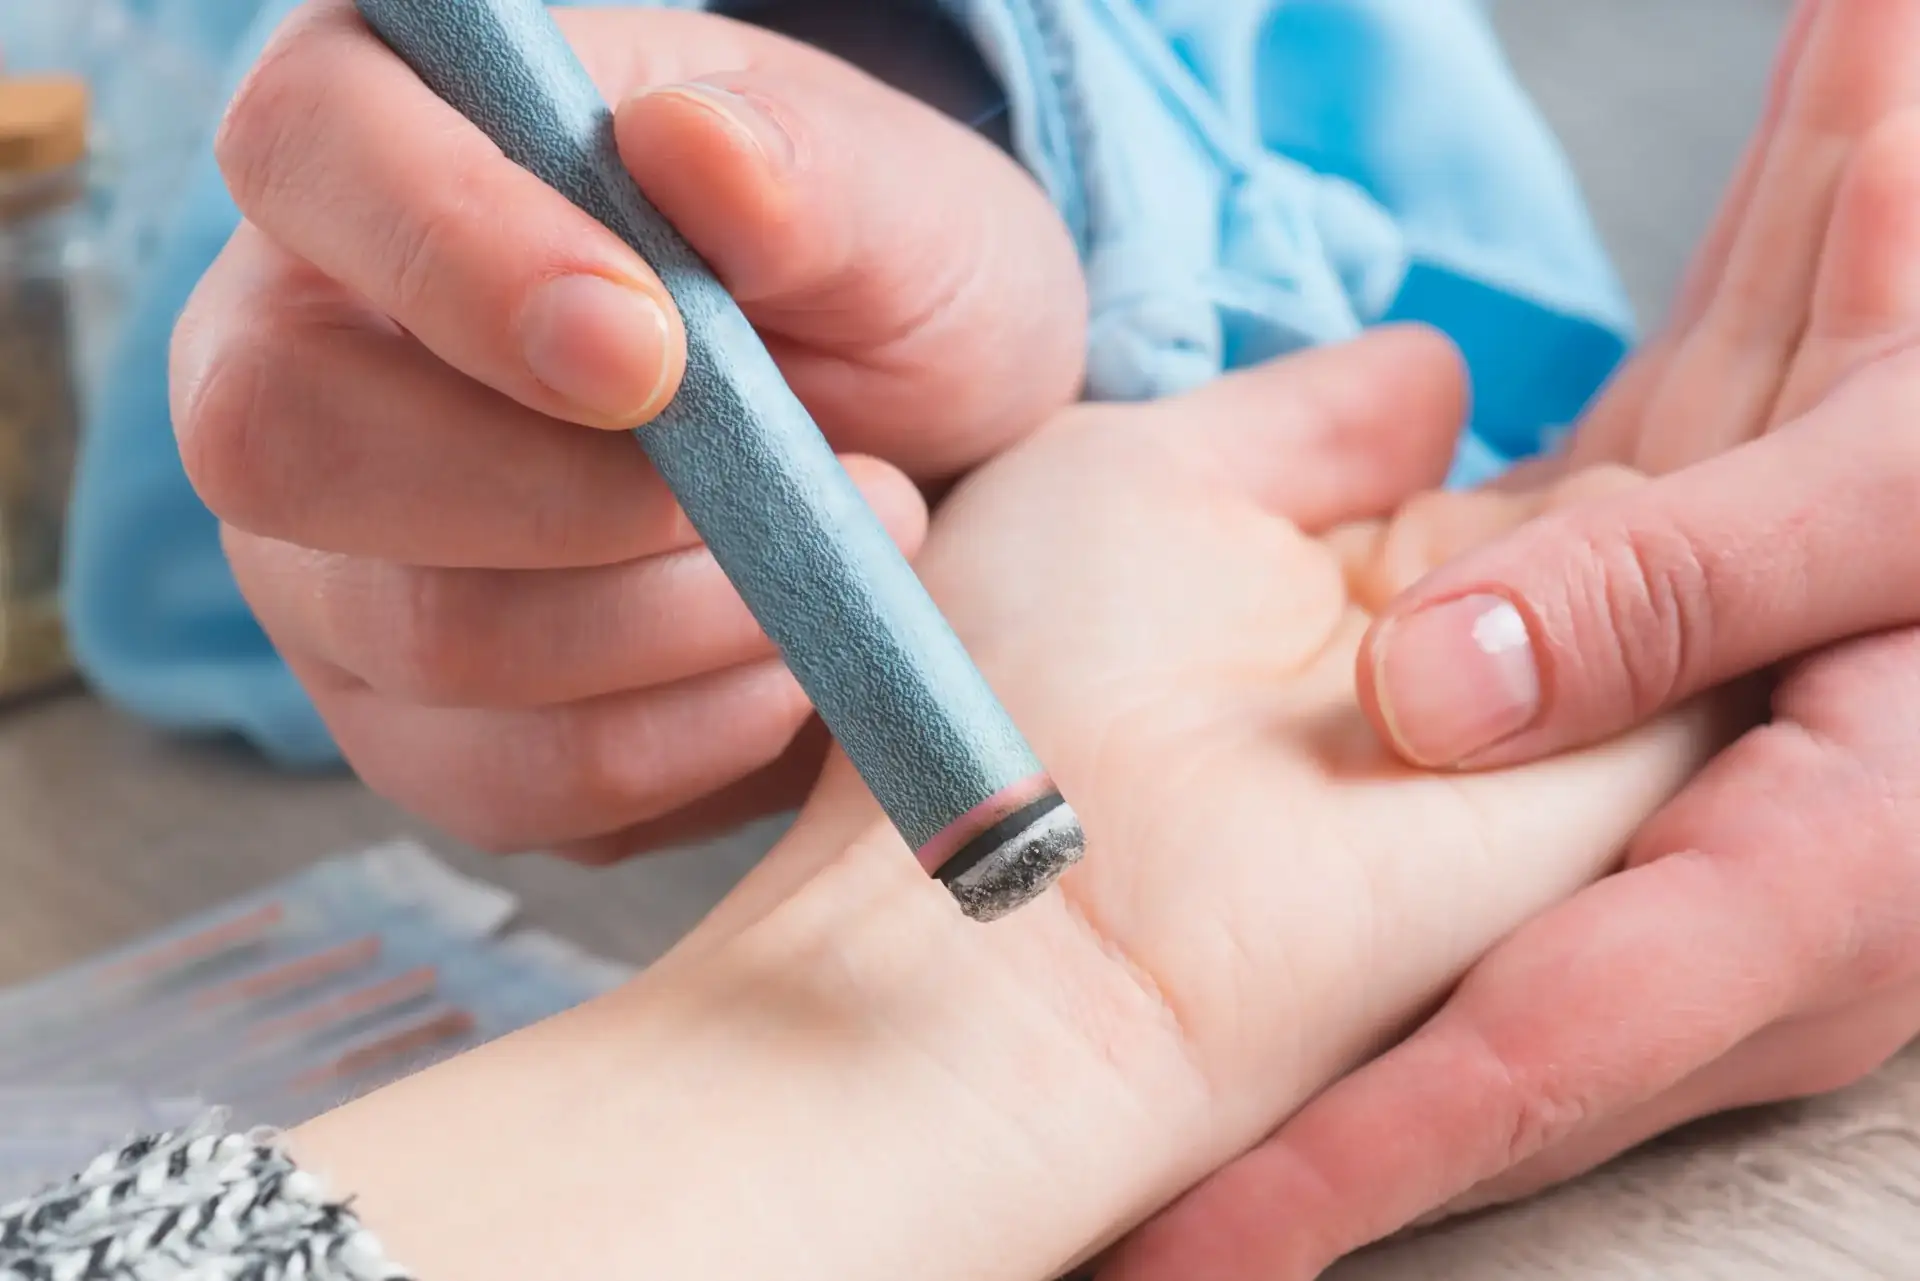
{"points": [[1182, 657]]}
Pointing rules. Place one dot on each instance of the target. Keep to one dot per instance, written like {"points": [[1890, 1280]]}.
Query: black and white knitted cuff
{"points": [[198, 1204]]}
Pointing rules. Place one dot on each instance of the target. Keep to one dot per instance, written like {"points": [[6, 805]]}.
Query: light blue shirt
{"points": [[1242, 177]]}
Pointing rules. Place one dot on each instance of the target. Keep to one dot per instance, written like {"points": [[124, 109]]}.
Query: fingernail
{"points": [[1456, 678], [746, 117], [601, 345]]}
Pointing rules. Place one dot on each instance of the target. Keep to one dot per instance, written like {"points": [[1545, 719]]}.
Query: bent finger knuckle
{"points": [[453, 789], [1528, 1101], [620, 753], [222, 383], [259, 138], [1640, 610], [416, 251], [416, 634], [1539, 1115]]}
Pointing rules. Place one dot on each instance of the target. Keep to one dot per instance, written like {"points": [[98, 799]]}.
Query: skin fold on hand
{"points": [[837, 1076]]}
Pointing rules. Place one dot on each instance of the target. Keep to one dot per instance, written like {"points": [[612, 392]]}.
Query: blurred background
{"points": [[1654, 100]]}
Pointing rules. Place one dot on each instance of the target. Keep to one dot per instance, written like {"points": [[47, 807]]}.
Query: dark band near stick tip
{"points": [[1013, 862]]}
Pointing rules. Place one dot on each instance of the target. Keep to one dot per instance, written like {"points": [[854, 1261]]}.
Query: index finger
{"points": [[338, 152]]}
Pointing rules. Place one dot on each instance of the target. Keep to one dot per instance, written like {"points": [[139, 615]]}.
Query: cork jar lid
{"points": [[43, 123]]}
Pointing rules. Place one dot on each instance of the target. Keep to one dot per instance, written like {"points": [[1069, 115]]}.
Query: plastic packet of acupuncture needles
{"points": [[322, 917], [480, 994], [356, 1037], [48, 1133], [169, 1043], [274, 1008]]}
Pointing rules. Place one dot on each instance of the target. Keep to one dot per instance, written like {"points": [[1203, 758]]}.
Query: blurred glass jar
{"points": [[44, 262]]}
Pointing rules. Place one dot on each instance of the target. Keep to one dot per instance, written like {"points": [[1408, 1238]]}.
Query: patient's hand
{"points": [[840, 1076], [1287, 894]]}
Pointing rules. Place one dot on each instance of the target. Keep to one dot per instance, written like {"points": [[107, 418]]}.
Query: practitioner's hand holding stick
{"points": [[389, 386]]}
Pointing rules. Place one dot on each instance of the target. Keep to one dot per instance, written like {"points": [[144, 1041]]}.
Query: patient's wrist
{"points": [[846, 1087]]}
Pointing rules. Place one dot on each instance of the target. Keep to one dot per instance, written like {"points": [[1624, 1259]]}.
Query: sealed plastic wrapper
{"points": [[167, 1039], [479, 995], [333, 906], [132, 1044], [46, 1134], [323, 987], [222, 1033], [219, 1042], [51, 1112]]}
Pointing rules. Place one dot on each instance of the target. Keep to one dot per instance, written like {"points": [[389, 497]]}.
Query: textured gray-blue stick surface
{"points": [[740, 453]]}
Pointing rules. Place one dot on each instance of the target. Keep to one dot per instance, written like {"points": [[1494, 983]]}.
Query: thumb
{"points": [[918, 289], [1330, 434], [1588, 621]]}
